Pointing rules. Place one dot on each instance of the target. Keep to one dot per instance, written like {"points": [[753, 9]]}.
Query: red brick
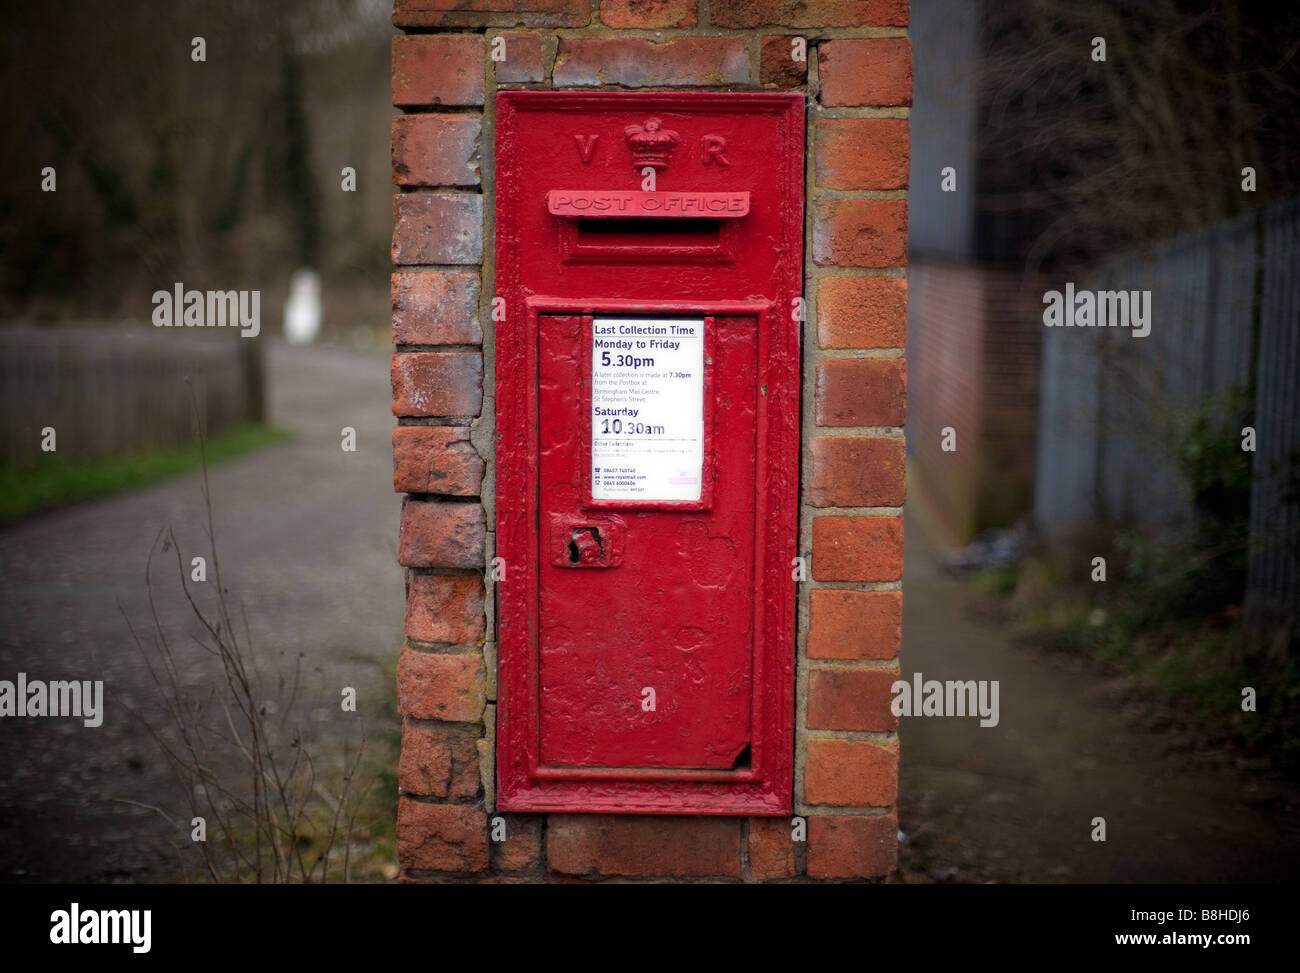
{"points": [[637, 62], [857, 548], [843, 846], [854, 624], [771, 849], [441, 837], [439, 761], [522, 848], [436, 308], [851, 773], [604, 844], [491, 13], [648, 14], [441, 535], [860, 232], [523, 58], [861, 392], [866, 71], [851, 699], [440, 686], [437, 383], [808, 13], [437, 228], [777, 65], [858, 471], [436, 150], [436, 459], [861, 312], [438, 69], [863, 153], [445, 608]]}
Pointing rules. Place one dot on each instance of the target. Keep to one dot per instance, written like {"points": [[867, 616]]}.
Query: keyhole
{"points": [[575, 552]]}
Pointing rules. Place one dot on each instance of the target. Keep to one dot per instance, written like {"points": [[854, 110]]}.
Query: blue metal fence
{"points": [[1113, 406]]}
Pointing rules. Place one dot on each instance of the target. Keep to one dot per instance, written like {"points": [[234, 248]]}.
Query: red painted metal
{"points": [[604, 599]]}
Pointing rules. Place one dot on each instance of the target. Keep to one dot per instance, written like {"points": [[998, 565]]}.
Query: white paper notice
{"points": [[647, 408]]}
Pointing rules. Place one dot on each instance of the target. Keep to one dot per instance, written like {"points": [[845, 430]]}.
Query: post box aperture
{"points": [[647, 408]]}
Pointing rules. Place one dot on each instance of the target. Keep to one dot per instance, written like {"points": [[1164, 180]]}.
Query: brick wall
{"points": [[973, 346], [857, 76]]}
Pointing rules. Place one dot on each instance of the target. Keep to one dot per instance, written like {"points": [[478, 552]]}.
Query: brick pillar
{"points": [[857, 76]]}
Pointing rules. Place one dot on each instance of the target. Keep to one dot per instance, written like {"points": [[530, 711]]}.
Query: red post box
{"points": [[647, 413]]}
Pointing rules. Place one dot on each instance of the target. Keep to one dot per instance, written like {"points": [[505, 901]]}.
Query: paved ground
{"points": [[307, 538], [1015, 802]]}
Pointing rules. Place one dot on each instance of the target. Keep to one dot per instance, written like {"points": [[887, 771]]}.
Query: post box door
{"points": [[646, 636], [647, 482]]}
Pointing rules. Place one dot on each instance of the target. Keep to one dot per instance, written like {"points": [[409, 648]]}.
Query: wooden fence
{"points": [[109, 390]]}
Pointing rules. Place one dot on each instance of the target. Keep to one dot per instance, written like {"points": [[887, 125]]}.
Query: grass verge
{"points": [[54, 482], [1194, 657]]}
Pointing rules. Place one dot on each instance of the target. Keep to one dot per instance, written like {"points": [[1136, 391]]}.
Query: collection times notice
{"points": [[647, 408]]}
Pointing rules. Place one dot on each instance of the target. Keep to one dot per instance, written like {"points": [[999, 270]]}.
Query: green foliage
{"points": [[55, 481], [220, 174], [1170, 613], [1000, 580], [1218, 474]]}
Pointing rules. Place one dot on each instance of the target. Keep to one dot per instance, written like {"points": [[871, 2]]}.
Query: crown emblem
{"points": [[651, 144]]}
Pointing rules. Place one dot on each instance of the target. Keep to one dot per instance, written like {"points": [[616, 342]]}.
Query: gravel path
{"points": [[307, 539]]}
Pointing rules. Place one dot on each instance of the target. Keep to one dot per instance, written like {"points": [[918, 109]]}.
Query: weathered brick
{"points": [[650, 845], [491, 13], [522, 848], [808, 13], [852, 846], [436, 150], [437, 228], [857, 548], [440, 686], [437, 383], [446, 608], [441, 535], [438, 69], [863, 153], [861, 312], [858, 471], [771, 849], [860, 232], [636, 62], [861, 392], [777, 64], [436, 308], [436, 459], [439, 761], [648, 14], [854, 624], [523, 58], [851, 699], [866, 71], [424, 766], [851, 773], [441, 837]]}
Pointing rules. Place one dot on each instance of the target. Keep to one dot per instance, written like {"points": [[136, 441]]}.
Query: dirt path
{"points": [[307, 538], [1015, 802]]}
